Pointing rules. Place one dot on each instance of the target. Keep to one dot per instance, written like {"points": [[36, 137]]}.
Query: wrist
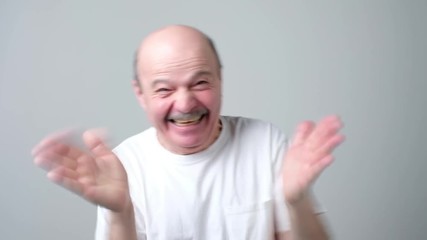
{"points": [[303, 202], [124, 214], [296, 200]]}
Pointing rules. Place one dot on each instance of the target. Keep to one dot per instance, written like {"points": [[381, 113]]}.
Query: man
{"points": [[196, 174]]}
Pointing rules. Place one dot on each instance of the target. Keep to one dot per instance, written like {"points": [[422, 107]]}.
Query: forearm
{"points": [[122, 224], [305, 223]]}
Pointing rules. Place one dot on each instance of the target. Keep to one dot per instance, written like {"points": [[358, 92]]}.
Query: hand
{"points": [[97, 175], [309, 153]]}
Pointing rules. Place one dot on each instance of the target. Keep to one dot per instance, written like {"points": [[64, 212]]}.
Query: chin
{"points": [[189, 146]]}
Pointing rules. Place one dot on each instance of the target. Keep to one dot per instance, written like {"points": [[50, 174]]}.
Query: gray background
{"points": [[68, 63]]}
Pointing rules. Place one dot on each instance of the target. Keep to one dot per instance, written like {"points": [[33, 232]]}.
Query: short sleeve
{"points": [[102, 223], [281, 215]]}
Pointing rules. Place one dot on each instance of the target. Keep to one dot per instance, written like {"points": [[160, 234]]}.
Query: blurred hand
{"points": [[309, 153], [97, 175]]}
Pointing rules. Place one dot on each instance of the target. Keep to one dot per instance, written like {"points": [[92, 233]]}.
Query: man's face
{"points": [[181, 94]]}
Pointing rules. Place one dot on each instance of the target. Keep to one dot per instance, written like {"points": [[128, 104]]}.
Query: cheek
{"points": [[209, 99], [159, 109]]}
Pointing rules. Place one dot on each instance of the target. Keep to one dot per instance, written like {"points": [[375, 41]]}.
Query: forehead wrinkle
{"points": [[180, 66]]}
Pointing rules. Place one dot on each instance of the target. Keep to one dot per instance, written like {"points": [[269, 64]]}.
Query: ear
{"points": [[137, 89]]}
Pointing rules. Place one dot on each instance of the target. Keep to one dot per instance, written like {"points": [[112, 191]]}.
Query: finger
{"points": [[319, 166], [327, 126], [67, 150], [54, 151], [302, 132], [95, 142], [51, 140], [49, 160], [330, 144], [66, 178], [62, 172], [324, 130]]}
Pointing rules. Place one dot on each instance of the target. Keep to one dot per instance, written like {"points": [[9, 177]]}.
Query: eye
{"points": [[201, 82], [201, 85], [162, 90]]}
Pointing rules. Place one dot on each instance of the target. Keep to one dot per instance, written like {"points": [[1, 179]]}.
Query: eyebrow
{"points": [[158, 81], [200, 73], [193, 76]]}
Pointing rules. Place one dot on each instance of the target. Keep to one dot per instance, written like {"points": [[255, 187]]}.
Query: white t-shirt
{"points": [[231, 190]]}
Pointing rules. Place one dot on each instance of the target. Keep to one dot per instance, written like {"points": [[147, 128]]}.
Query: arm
{"points": [[97, 176], [305, 223], [308, 155], [122, 225]]}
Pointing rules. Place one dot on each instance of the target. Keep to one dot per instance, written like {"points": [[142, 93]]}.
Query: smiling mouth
{"points": [[187, 122]]}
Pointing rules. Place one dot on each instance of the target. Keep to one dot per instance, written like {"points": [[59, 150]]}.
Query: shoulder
{"points": [[134, 154], [253, 127], [134, 148], [137, 140]]}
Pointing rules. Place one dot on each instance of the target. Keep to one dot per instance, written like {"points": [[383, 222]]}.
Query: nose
{"points": [[185, 101]]}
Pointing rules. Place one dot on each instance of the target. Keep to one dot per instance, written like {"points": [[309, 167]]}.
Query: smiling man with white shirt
{"points": [[196, 174]]}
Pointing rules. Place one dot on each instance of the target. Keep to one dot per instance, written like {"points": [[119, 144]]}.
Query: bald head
{"points": [[172, 41]]}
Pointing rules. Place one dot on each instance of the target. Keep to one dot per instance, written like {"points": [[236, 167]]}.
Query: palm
{"points": [[97, 176], [308, 155]]}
